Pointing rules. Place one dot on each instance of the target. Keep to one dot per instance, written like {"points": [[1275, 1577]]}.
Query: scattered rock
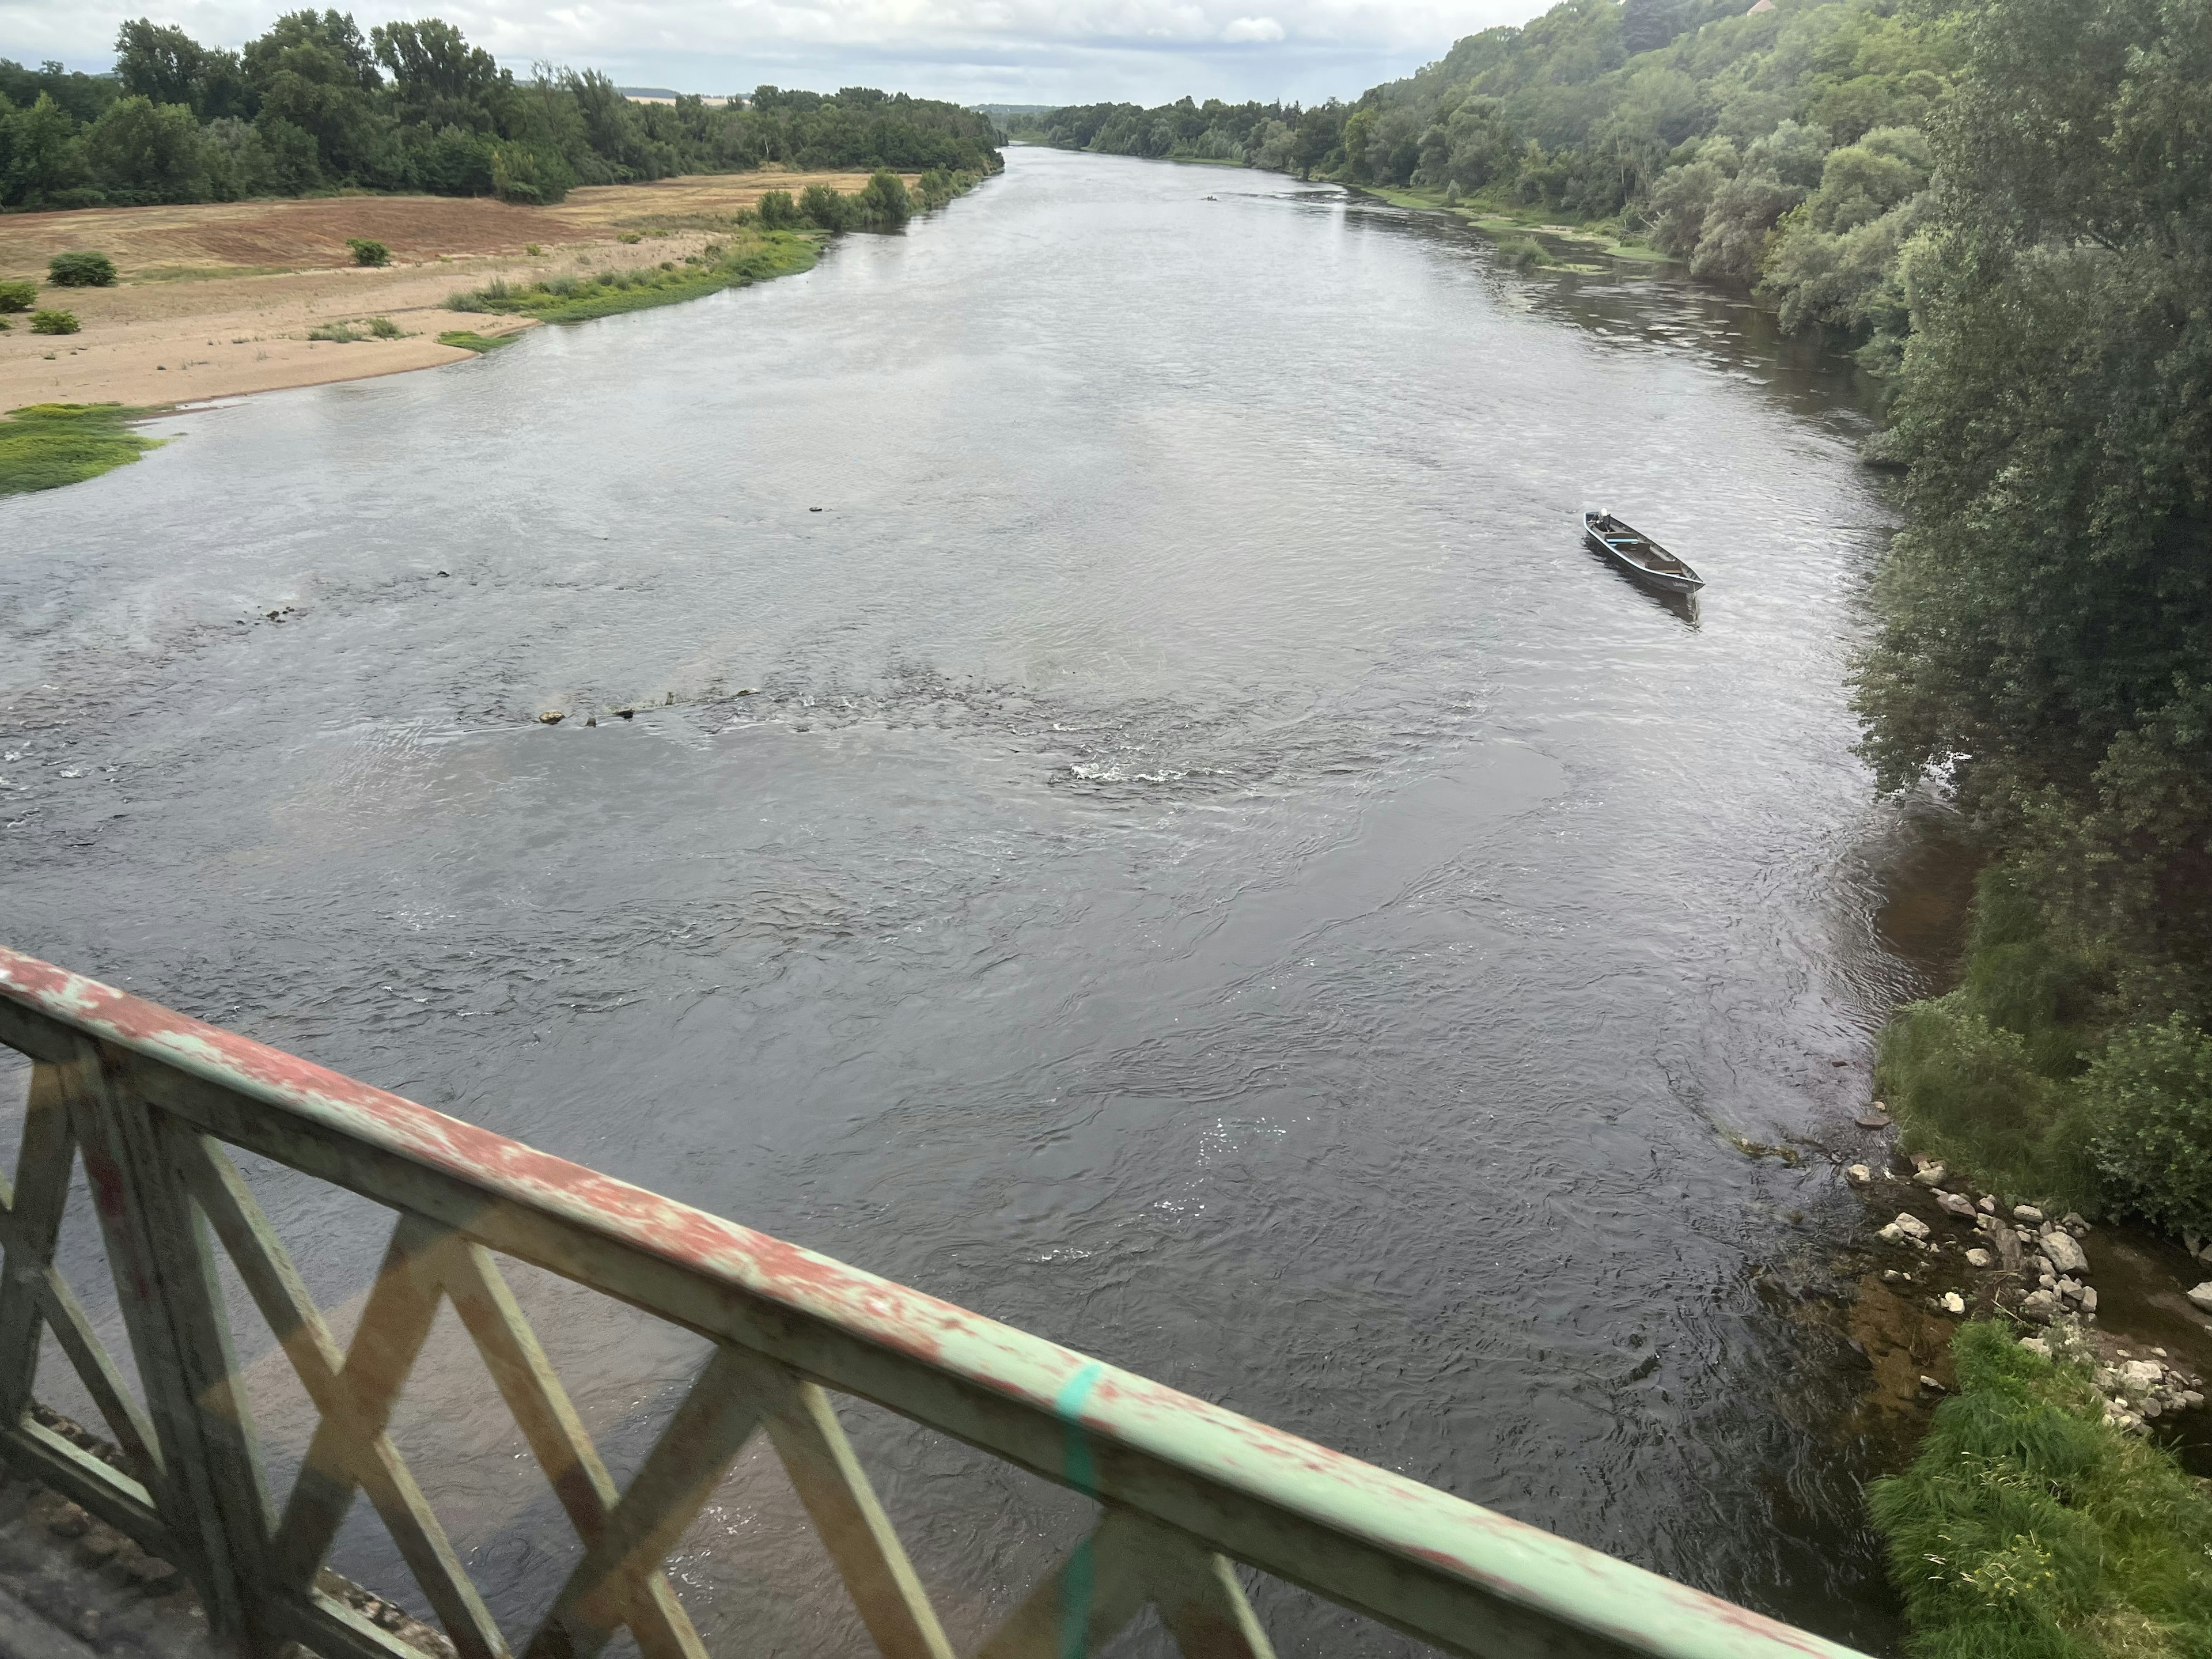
{"points": [[1954, 1304], [1858, 1175], [2202, 1295], [1930, 1175], [590, 719], [1931, 1386], [2028, 1214], [2065, 1253], [2036, 1345], [1912, 1227], [87, 1625], [97, 1546], [1988, 1205], [2089, 1300], [70, 1521], [1957, 1204], [552, 717], [2040, 1305], [1980, 1259], [2140, 1375]]}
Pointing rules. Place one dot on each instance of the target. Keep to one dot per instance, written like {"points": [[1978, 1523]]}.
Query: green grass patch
{"points": [[469, 340], [752, 257], [2027, 1528], [49, 445]]}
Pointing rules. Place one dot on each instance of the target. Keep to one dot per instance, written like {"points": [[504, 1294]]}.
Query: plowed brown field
{"points": [[217, 298]]}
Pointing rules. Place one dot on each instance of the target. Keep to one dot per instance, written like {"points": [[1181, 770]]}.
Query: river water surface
{"points": [[1210, 872]]}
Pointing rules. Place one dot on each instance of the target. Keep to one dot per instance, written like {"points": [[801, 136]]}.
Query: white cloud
{"points": [[1013, 50], [1253, 29]]}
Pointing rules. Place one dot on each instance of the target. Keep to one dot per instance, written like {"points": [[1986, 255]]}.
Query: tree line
{"points": [[316, 104]]}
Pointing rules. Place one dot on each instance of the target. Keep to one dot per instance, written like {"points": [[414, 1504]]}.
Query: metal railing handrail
{"points": [[1448, 1571]]}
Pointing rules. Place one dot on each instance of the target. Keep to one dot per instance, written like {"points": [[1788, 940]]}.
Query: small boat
{"points": [[1638, 553]]}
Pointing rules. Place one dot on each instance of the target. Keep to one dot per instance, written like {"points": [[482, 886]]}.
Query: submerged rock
{"points": [[1858, 1175]]}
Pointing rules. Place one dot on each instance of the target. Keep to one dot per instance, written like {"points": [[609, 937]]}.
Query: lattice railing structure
{"points": [[150, 1100]]}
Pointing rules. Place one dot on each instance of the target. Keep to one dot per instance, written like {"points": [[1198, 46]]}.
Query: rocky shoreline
{"points": [[1975, 1255]]}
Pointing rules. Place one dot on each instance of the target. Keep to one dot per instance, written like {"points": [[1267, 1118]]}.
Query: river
{"points": [[1209, 870]]}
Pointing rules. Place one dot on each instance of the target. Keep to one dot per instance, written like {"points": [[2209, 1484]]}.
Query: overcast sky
{"points": [[1029, 51]]}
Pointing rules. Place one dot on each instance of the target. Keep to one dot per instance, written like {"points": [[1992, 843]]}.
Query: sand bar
{"points": [[217, 299]]}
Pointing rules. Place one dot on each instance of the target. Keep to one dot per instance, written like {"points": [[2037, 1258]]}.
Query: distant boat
{"points": [[1639, 554]]}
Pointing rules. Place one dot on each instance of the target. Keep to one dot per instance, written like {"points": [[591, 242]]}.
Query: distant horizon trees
{"points": [[313, 104]]}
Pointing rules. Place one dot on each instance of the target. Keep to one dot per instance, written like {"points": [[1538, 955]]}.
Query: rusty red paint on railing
{"points": [[1392, 1512]]}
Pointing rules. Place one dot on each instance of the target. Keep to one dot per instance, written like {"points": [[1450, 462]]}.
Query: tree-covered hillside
{"points": [[313, 104], [1786, 147]]}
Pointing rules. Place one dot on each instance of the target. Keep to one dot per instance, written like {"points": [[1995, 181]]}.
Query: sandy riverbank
{"points": [[218, 298]]}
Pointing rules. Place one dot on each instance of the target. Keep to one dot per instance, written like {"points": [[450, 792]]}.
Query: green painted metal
{"points": [[1196, 1486]]}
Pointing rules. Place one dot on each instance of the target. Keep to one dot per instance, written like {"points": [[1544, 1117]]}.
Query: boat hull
{"points": [[1687, 581]]}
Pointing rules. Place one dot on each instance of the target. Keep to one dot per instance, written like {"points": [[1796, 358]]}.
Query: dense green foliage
{"points": [[54, 322], [367, 250], [18, 296], [751, 257], [2149, 1095], [314, 105], [2028, 1529], [49, 445], [81, 271], [1787, 148], [2046, 638]]}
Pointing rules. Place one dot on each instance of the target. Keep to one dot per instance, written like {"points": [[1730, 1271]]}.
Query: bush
{"points": [[54, 322], [776, 210], [336, 333], [884, 201], [81, 271], [2027, 1528], [1522, 252], [2149, 1099], [822, 206], [368, 251], [1968, 1091], [384, 328], [18, 296]]}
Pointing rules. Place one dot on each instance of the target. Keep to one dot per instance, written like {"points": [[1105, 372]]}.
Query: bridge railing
{"points": [[151, 1101]]}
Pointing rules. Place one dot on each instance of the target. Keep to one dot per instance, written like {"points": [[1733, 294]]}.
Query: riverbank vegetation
{"points": [[48, 445], [779, 237], [2029, 1527], [2045, 649], [315, 105], [749, 256]]}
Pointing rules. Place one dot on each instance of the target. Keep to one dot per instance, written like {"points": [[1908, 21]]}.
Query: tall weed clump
{"points": [[2027, 1528]]}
